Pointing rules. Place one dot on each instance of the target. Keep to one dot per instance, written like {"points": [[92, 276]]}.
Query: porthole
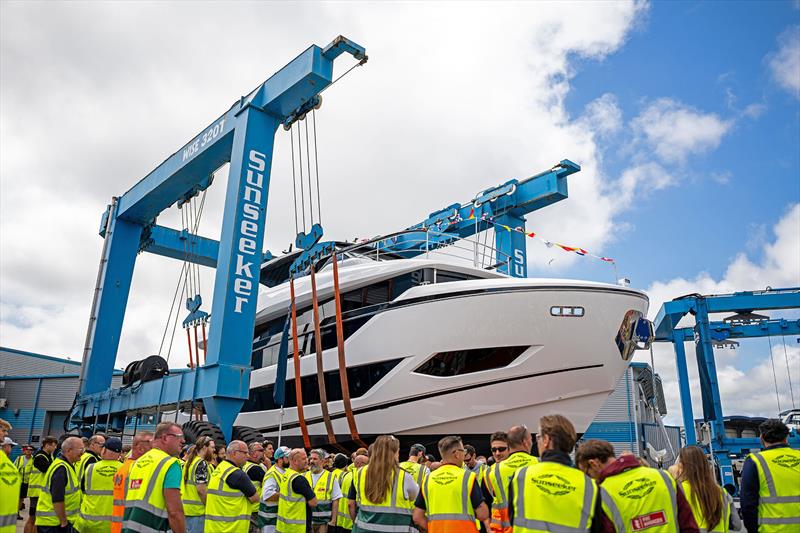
{"points": [[567, 310]]}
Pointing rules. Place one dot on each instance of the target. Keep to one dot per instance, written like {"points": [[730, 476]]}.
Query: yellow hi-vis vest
{"points": [[83, 464], [145, 507], [36, 481], [192, 504], [697, 511], [343, 519], [268, 511], [45, 511], [97, 505], [323, 490], [257, 484], [447, 499], [10, 482], [291, 506], [227, 509], [778, 489], [24, 464], [416, 470], [549, 496], [497, 479], [641, 498], [390, 514]]}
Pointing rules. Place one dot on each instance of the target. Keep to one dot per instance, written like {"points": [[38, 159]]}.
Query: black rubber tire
{"points": [[247, 434], [194, 429]]}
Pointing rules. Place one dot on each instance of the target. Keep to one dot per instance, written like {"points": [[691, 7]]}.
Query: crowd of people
{"points": [[160, 484]]}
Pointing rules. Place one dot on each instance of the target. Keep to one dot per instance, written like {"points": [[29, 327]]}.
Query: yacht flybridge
{"points": [[434, 347]]}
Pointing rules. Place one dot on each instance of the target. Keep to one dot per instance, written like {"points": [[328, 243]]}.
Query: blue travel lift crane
{"points": [[244, 137], [706, 333]]}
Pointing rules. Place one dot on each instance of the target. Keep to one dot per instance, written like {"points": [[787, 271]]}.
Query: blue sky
{"points": [[710, 56]]}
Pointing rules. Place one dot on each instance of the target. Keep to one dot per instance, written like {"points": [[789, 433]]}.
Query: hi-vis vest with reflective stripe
{"points": [[192, 504], [291, 506], [343, 519], [82, 465], [778, 489], [45, 511], [497, 479], [145, 508], [120, 490], [393, 514], [550, 496], [268, 511], [641, 498], [227, 509], [258, 484], [24, 464], [447, 498], [697, 511], [36, 481], [10, 482], [416, 470], [98, 497], [323, 490]]}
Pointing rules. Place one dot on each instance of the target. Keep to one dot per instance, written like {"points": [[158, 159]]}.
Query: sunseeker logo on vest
{"points": [[786, 460], [9, 473], [247, 232], [445, 478], [638, 488], [553, 484]]}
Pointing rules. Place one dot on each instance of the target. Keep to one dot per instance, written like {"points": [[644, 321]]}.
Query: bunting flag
{"points": [[485, 217]]}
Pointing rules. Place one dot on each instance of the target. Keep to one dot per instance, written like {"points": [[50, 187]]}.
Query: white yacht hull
{"points": [[570, 365]]}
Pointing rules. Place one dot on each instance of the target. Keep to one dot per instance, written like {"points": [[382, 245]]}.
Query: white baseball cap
{"points": [[8, 441]]}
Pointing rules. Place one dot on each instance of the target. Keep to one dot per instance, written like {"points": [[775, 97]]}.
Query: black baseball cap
{"points": [[113, 444]]}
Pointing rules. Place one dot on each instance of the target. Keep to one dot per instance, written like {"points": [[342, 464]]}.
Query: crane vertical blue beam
{"points": [[707, 370], [111, 298], [239, 261], [510, 245], [685, 391]]}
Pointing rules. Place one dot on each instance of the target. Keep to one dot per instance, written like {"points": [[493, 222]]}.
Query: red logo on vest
{"points": [[135, 484], [645, 521]]}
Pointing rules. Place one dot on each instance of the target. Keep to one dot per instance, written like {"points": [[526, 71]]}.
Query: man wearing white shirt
{"points": [[268, 508]]}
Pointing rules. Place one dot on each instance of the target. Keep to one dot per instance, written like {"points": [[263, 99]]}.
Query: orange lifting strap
{"points": [[348, 410], [298, 388], [189, 341], [323, 395], [205, 343]]}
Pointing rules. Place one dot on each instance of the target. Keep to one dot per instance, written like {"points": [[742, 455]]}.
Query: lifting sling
{"points": [[348, 410], [298, 388], [323, 395]]}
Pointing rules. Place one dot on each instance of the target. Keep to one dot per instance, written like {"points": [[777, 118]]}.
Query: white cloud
{"points": [[603, 115], [451, 102], [785, 63], [674, 130], [750, 392]]}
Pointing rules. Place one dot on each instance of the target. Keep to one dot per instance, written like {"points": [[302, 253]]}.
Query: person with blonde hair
{"points": [[712, 507], [382, 493]]}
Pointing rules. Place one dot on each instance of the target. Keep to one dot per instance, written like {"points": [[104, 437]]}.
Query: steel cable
{"points": [[774, 374]]}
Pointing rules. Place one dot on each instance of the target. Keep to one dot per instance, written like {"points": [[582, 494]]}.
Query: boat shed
{"points": [[36, 394]]}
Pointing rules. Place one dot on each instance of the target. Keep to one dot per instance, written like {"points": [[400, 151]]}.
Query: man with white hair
{"points": [[327, 490], [60, 499], [230, 493], [12, 481]]}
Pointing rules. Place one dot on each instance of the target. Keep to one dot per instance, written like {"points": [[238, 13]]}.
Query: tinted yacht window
{"points": [[459, 362]]}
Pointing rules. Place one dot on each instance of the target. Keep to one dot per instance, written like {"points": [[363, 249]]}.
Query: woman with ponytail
{"points": [[712, 507]]}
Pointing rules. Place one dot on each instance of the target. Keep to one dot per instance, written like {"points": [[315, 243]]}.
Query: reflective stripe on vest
{"points": [[227, 509], [390, 515], [257, 484], [323, 490], [36, 480], [448, 499], [268, 511], [654, 505], [11, 482], [192, 504], [779, 488], [145, 508], [558, 494], [98, 497], [697, 511], [45, 510], [343, 519], [497, 480], [291, 506]]}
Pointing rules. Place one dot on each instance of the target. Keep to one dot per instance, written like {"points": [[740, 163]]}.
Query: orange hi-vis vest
{"points": [[497, 479]]}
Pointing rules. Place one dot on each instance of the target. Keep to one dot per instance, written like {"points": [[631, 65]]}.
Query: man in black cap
{"points": [[97, 485]]}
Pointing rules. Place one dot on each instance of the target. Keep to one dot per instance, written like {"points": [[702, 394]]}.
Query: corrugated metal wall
{"points": [[19, 363]]}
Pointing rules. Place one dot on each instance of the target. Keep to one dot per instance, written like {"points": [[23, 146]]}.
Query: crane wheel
{"points": [[247, 434], [194, 429]]}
